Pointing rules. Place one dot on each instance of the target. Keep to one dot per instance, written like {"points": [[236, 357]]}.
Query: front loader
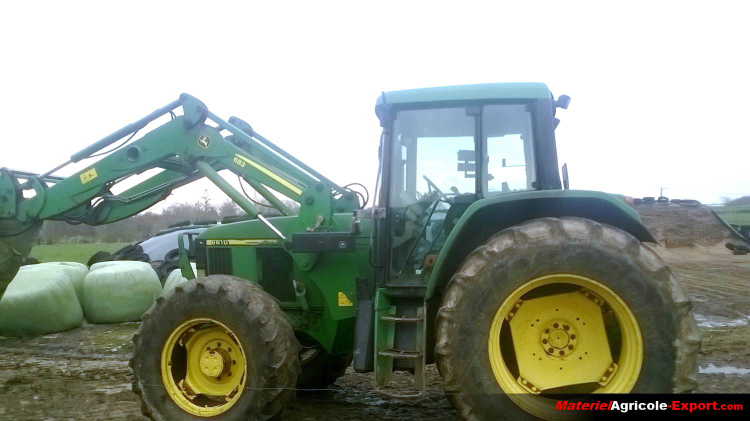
{"points": [[473, 256]]}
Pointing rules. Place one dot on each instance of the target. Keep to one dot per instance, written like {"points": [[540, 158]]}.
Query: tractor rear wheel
{"points": [[561, 305], [218, 347]]}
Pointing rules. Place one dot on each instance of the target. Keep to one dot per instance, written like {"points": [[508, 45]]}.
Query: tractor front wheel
{"points": [[556, 306], [219, 347]]}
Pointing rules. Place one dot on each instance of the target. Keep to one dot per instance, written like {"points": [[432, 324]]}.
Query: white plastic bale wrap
{"points": [[174, 279], [119, 291], [105, 264], [41, 299], [76, 271]]}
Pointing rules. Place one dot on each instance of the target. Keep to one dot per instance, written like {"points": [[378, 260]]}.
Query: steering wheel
{"points": [[434, 186]]}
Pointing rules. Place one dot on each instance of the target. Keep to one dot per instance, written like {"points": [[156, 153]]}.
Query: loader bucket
{"points": [[15, 244]]}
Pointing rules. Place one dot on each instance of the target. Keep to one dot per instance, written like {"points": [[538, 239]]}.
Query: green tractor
{"points": [[474, 256]]}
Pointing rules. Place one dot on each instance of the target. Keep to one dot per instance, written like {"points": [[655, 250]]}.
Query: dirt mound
{"points": [[678, 225]]}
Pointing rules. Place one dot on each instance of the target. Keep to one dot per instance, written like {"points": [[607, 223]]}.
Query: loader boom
{"points": [[190, 146]]}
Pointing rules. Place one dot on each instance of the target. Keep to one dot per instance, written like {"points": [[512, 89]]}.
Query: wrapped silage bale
{"points": [[175, 278], [119, 291], [41, 299], [106, 264], [76, 271]]}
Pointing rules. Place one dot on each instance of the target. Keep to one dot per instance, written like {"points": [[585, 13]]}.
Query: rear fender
{"points": [[487, 216]]}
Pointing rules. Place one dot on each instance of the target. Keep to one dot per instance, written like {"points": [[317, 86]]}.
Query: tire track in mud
{"points": [[718, 283]]}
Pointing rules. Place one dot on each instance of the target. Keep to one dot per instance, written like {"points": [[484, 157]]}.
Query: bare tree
{"points": [[229, 208]]}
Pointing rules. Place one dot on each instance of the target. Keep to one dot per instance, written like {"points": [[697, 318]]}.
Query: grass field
{"points": [[71, 252], [738, 215]]}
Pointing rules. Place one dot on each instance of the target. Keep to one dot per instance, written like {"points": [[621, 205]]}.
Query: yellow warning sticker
{"points": [[246, 242], [241, 160], [88, 175], [344, 301]]}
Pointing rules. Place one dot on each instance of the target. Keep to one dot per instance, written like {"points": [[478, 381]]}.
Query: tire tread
{"points": [[559, 231]]}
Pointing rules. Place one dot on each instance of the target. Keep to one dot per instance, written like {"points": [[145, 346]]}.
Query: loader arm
{"points": [[190, 146]]}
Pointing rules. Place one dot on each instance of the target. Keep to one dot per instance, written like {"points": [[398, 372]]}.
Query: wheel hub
{"points": [[204, 367], [559, 338], [211, 355], [212, 363], [550, 334], [557, 356]]}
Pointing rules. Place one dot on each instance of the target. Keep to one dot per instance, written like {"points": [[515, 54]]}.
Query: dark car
{"points": [[161, 249]]}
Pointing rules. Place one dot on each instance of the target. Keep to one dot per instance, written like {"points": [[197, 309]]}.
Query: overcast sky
{"points": [[660, 89]]}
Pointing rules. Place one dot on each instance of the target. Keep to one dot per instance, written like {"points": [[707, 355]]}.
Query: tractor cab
{"points": [[445, 148]]}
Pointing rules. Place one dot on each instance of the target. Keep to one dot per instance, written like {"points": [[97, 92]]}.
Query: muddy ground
{"points": [[83, 374]]}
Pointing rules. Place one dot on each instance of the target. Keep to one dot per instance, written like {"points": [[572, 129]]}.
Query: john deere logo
{"points": [[204, 141]]}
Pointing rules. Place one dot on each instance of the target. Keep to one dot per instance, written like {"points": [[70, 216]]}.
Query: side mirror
{"points": [[565, 179], [467, 163], [563, 101]]}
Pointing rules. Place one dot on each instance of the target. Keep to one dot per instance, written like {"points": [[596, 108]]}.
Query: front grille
{"points": [[200, 254], [219, 261], [276, 273]]}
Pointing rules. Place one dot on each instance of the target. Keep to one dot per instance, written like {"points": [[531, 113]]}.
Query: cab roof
{"points": [[484, 91]]}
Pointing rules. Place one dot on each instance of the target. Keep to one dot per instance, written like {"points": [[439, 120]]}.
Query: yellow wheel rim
{"points": [[563, 333], [203, 367]]}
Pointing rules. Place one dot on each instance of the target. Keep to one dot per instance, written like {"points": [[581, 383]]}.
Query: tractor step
{"points": [[400, 353], [399, 320], [404, 319], [405, 289]]}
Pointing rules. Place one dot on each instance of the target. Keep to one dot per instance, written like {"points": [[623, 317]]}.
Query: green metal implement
{"points": [[186, 148]]}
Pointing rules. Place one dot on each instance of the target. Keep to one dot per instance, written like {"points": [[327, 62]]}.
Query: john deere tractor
{"points": [[473, 256]]}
